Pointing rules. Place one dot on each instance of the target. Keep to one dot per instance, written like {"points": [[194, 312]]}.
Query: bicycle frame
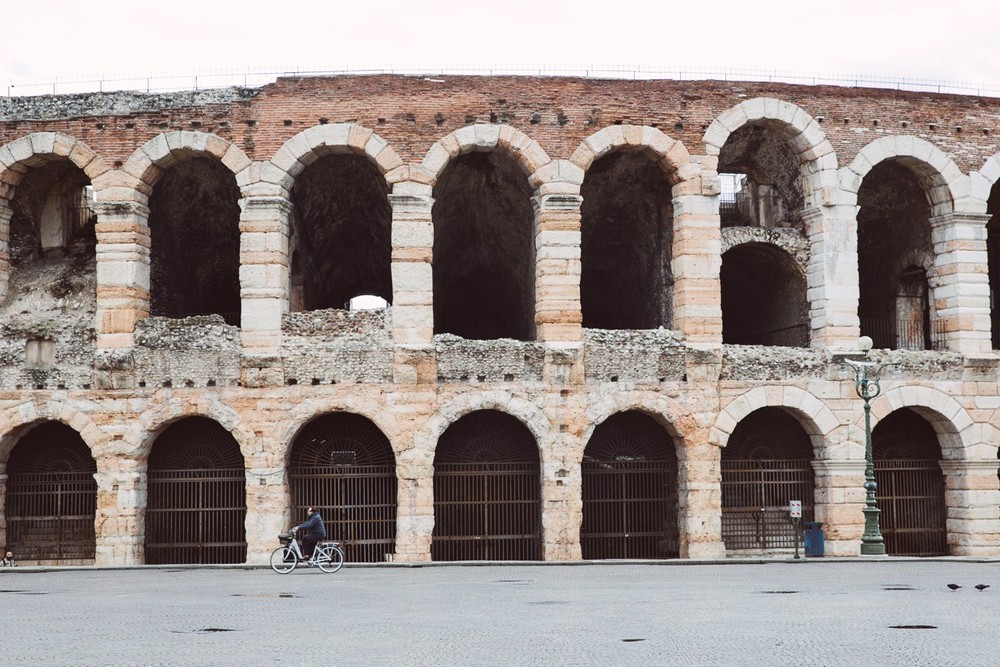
{"points": [[327, 555]]}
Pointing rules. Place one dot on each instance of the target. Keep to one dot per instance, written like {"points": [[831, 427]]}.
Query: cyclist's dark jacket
{"points": [[314, 526]]}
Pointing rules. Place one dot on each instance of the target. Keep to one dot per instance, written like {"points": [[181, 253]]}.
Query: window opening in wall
{"points": [[51, 498], [344, 466], [911, 485], [733, 201], [487, 491], [629, 490], [763, 297], [993, 262], [367, 302]]}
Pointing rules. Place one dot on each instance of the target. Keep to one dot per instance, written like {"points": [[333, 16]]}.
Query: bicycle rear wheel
{"points": [[331, 559], [283, 560]]}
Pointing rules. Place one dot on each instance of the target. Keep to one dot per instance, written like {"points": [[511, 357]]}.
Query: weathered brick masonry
{"points": [[863, 212]]}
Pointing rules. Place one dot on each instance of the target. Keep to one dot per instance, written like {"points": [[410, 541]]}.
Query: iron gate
{"points": [[51, 496], [629, 490], [487, 496], [344, 467], [196, 510], [755, 497], [910, 491]]}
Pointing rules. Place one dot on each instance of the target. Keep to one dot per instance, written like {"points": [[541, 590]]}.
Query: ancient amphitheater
{"points": [[495, 318]]}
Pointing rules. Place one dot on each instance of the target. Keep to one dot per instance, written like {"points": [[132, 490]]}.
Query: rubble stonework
{"points": [[120, 374]]}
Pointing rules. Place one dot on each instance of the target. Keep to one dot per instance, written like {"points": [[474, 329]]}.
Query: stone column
{"points": [[414, 508], [120, 522], [558, 316], [3, 515], [697, 260], [412, 286], [959, 284], [699, 505], [832, 277], [840, 497], [122, 272], [972, 496], [6, 212], [268, 511], [264, 285]]}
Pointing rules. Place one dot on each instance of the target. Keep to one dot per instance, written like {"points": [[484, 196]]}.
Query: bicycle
{"points": [[327, 555]]}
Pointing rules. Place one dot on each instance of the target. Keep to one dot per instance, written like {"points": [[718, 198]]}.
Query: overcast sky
{"points": [[957, 40]]}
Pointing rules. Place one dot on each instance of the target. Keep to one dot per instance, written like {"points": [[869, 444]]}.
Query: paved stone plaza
{"points": [[776, 613]]}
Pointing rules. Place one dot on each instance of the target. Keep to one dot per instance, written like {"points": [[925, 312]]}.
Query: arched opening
{"points": [[893, 230], [760, 175], [487, 491], [340, 236], [194, 256], [342, 465], [766, 464], [910, 493], [629, 490], [763, 297], [52, 246], [993, 259], [51, 497], [627, 235], [196, 511], [484, 259]]}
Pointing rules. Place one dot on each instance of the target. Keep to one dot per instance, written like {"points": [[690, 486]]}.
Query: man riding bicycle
{"points": [[315, 530]]}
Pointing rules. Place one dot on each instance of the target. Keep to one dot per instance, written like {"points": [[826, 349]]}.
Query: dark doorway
{"points": [[910, 491], [197, 496], [766, 464], [487, 491], [763, 297], [342, 465], [629, 490], [51, 497]]}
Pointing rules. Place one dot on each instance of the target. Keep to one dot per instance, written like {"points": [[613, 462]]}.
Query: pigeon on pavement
{"points": [[954, 587], [982, 587]]}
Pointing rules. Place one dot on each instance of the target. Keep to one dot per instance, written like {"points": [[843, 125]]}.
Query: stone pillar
{"points": [[120, 522], [972, 496], [699, 504], [840, 497], [3, 514], [832, 277], [268, 511], [6, 212], [264, 285], [697, 260], [959, 283], [414, 508], [122, 272], [413, 286], [558, 316]]}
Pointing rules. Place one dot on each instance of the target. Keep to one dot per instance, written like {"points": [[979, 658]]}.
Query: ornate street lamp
{"points": [[866, 383]]}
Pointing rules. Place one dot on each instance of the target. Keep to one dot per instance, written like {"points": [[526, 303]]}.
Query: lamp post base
{"points": [[872, 548]]}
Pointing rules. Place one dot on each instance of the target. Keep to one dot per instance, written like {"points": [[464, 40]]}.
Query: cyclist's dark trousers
{"points": [[309, 544]]}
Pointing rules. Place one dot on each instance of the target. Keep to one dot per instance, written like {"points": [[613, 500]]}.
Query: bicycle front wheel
{"points": [[331, 559], [283, 560]]}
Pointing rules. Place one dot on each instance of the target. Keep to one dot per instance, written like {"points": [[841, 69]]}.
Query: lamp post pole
{"points": [[866, 384]]}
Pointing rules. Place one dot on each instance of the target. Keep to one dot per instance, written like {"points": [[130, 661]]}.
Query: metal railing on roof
{"points": [[210, 79]]}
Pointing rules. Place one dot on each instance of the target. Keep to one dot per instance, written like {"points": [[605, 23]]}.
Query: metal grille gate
{"points": [[767, 463], [51, 497], [197, 496], [487, 496], [910, 483], [344, 467], [629, 485]]}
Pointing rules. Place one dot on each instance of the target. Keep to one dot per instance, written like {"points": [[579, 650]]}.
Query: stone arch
{"points": [[525, 410], [482, 137], [958, 435], [38, 147], [142, 433], [672, 155], [134, 181], [16, 420], [669, 414], [818, 161], [313, 143], [814, 416], [305, 412], [938, 175], [981, 183]]}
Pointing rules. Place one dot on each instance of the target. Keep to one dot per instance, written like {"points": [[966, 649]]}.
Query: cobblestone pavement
{"points": [[822, 612]]}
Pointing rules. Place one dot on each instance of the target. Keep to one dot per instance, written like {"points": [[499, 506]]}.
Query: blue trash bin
{"points": [[812, 538]]}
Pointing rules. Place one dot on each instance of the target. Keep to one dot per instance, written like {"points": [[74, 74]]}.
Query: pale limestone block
{"points": [[772, 107], [301, 148], [506, 136], [616, 135], [953, 176], [63, 145], [8, 160], [600, 143], [121, 195], [733, 118], [800, 121], [358, 137], [486, 136], [632, 135], [270, 173], [158, 152], [215, 145], [412, 188], [314, 137], [412, 317], [923, 150], [657, 141], [21, 149], [754, 108], [557, 238], [466, 138], [412, 233], [813, 134], [261, 314], [436, 159], [786, 112], [678, 158], [583, 156], [42, 143], [533, 158], [286, 161], [412, 277], [387, 160]]}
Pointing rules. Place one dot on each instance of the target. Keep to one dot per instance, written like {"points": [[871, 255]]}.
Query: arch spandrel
{"points": [[814, 416], [143, 431], [336, 138], [671, 154], [481, 137], [144, 167], [16, 421], [958, 435], [676, 420], [305, 412]]}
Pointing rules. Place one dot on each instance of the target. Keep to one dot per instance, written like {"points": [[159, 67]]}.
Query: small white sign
{"points": [[795, 509]]}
